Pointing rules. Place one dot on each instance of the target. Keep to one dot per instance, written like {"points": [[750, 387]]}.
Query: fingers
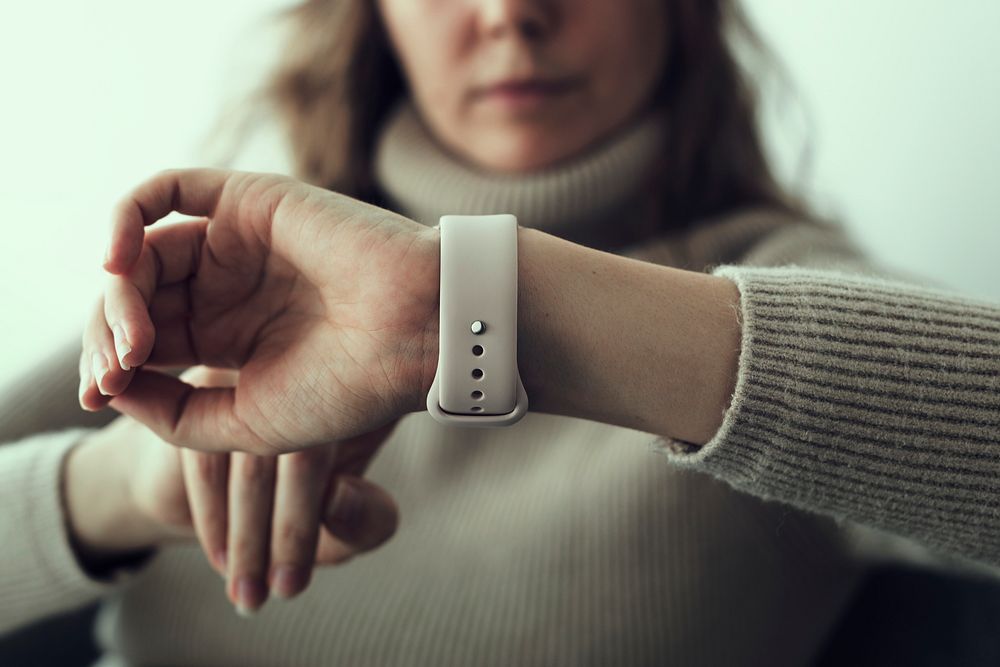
{"points": [[206, 478], [360, 516], [123, 330], [154, 291], [251, 496], [127, 317], [93, 366], [284, 537], [101, 374], [188, 191], [302, 483], [89, 396]]}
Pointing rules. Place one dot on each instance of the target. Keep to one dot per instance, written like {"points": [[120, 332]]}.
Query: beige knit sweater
{"points": [[565, 542]]}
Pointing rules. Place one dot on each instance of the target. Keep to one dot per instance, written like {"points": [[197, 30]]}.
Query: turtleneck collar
{"points": [[594, 199]]}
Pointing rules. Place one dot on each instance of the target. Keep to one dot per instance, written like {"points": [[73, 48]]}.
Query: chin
{"points": [[523, 152]]}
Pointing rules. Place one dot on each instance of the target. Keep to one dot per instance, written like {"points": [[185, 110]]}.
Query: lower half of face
{"points": [[517, 85]]}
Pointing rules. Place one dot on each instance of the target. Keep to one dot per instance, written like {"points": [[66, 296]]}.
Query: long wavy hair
{"points": [[338, 78]]}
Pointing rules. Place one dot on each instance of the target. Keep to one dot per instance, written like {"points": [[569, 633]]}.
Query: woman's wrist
{"points": [[105, 528]]}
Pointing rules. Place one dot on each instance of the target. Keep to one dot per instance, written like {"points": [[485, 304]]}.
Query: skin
{"points": [[274, 503], [608, 55], [330, 314], [330, 311], [128, 491]]}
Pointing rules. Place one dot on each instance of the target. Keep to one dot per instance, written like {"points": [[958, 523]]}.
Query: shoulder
{"points": [[753, 235]]}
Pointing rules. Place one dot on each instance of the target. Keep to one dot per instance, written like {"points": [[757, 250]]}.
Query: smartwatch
{"points": [[477, 382]]}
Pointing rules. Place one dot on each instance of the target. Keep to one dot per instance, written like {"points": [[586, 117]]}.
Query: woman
{"points": [[560, 540]]}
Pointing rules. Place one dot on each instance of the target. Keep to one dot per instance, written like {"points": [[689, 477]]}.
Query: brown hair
{"points": [[338, 78]]}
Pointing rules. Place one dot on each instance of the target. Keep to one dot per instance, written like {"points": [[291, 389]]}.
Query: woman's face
{"points": [[516, 85]]}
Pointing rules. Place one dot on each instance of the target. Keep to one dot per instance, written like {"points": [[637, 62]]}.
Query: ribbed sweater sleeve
{"points": [[40, 423], [871, 400], [39, 572]]}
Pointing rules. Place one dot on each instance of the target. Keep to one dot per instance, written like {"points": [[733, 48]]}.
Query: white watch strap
{"points": [[477, 382]]}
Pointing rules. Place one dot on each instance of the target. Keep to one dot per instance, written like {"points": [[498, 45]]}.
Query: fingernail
{"points": [[249, 596], [86, 375], [100, 370], [122, 346], [287, 581], [347, 503]]}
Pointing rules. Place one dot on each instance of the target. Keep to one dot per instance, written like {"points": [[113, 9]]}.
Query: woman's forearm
{"points": [[105, 528], [624, 342]]}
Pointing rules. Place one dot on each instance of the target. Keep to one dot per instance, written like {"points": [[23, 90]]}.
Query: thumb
{"points": [[359, 517], [186, 416]]}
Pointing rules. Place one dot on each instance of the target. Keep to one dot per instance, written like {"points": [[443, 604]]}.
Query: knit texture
{"points": [[40, 574], [591, 199], [866, 399], [560, 541]]}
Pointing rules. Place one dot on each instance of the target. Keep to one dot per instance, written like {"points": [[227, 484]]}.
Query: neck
{"points": [[595, 199]]}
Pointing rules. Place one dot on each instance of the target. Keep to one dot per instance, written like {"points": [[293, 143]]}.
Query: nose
{"points": [[529, 19]]}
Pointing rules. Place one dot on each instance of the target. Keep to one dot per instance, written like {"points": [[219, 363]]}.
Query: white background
{"points": [[903, 98]]}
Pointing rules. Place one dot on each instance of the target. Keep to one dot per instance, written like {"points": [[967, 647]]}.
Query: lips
{"points": [[530, 86], [526, 92]]}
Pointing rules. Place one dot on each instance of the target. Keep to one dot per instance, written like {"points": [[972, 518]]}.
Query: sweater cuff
{"points": [[41, 574], [863, 399], [782, 334]]}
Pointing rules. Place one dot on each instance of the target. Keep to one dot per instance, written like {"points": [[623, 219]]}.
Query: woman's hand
{"points": [[262, 520], [326, 305], [265, 521]]}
